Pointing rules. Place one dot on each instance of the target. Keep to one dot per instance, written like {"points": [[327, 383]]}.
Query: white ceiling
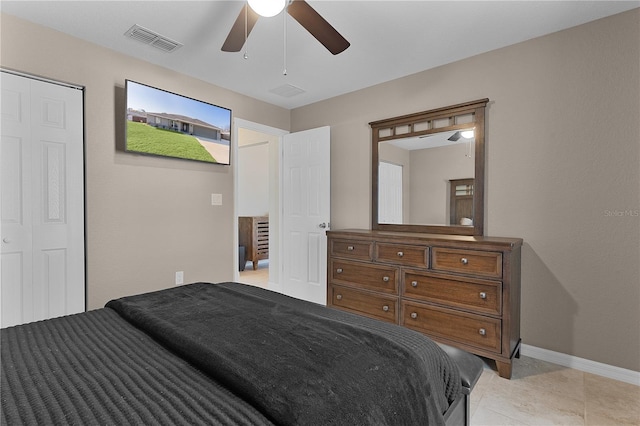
{"points": [[433, 140], [389, 39]]}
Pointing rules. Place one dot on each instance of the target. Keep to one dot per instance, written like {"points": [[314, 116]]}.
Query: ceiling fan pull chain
{"points": [[284, 48], [246, 19]]}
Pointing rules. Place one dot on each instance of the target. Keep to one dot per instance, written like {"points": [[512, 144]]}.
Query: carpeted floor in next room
{"points": [[259, 277]]}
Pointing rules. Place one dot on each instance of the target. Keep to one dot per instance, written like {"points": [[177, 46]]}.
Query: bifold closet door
{"points": [[42, 196]]}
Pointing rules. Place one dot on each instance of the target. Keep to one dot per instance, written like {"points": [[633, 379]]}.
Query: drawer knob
{"points": [[483, 295], [414, 315], [350, 248], [339, 296], [464, 260], [482, 332], [400, 254], [385, 308], [414, 283], [339, 271], [385, 279]]}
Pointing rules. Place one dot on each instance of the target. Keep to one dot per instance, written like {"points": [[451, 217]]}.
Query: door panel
{"points": [[16, 190]]}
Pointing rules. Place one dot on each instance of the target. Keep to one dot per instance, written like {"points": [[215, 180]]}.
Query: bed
{"points": [[228, 354]]}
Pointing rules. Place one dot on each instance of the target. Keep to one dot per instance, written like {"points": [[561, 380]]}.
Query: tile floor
{"points": [[539, 392], [542, 393]]}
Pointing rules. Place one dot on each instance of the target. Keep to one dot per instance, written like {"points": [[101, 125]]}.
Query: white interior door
{"points": [[306, 210], [389, 193], [42, 200]]}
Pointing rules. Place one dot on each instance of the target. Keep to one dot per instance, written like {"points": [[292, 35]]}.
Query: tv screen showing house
{"points": [[166, 124]]}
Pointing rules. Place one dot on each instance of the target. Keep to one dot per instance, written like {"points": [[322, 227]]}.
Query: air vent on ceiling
{"points": [[154, 39], [287, 91]]}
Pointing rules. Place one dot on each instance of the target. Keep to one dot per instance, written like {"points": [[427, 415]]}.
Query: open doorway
{"points": [[257, 203]]}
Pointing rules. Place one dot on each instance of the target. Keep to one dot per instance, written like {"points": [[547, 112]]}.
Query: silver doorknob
{"points": [[6, 240], [322, 225]]}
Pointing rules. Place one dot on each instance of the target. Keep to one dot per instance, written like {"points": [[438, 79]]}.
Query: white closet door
{"points": [[42, 196]]}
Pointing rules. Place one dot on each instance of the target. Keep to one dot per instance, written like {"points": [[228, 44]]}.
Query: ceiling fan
{"points": [[467, 134], [299, 10]]}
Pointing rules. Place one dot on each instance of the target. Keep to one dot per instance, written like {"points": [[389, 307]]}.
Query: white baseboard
{"points": [[588, 366]]}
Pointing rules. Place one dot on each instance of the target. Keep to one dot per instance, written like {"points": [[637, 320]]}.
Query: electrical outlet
{"points": [[179, 277]]}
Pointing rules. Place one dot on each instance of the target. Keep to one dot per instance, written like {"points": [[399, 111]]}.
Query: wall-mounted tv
{"points": [[166, 124]]}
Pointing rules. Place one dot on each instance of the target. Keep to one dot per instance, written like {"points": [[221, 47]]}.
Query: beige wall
{"points": [[563, 139], [146, 217], [435, 167]]}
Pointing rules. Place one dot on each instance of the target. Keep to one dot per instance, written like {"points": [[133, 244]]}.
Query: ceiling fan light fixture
{"points": [[267, 8], [467, 134]]}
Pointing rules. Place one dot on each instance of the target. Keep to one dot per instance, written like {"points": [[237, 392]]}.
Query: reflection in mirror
{"points": [[428, 173], [427, 180]]}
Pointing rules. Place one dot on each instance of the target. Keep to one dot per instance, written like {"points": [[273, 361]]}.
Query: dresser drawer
{"points": [[481, 296], [361, 302], [365, 275], [401, 254], [468, 329], [362, 250], [484, 263]]}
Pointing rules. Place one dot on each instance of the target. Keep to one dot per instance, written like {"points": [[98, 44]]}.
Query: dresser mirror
{"points": [[428, 171]]}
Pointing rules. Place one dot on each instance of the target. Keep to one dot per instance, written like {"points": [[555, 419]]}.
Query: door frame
{"points": [[275, 268]]}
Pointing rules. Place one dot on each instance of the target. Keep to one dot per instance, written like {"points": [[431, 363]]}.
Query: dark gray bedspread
{"points": [[96, 369], [296, 362]]}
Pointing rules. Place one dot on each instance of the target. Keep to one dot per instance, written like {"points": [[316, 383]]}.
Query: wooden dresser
{"points": [[460, 290], [253, 234]]}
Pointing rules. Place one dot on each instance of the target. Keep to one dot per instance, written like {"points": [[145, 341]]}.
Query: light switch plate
{"points": [[216, 199]]}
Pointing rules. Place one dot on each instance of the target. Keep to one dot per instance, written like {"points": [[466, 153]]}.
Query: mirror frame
{"points": [[426, 123]]}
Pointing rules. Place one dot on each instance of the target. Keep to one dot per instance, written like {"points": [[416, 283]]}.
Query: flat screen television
{"points": [[166, 124]]}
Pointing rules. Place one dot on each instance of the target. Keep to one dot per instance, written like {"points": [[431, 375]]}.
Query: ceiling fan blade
{"points": [[454, 137], [237, 36], [311, 20]]}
